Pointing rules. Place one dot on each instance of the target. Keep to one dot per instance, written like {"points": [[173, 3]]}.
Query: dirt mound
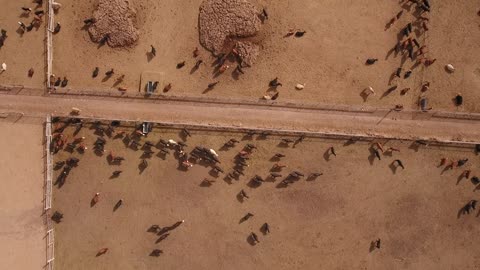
{"points": [[115, 18], [248, 52], [224, 21]]}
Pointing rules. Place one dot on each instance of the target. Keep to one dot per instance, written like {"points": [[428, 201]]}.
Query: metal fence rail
{"points": [[48, 194], [49, 31], [48, 174], [282, 132], [50, 247]]}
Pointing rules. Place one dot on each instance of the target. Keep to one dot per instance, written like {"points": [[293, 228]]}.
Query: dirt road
{"points": [[382, 123]]}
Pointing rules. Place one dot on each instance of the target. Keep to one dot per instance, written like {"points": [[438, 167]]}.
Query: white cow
{"points": [[213, 152]]}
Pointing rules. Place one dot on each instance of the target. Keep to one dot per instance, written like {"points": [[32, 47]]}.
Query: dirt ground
{"points": [[22, 52], [328, 222], [329, 59], [22, 227]]}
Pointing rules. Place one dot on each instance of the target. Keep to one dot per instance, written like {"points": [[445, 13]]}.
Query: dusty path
{"points": [[393, 124]]}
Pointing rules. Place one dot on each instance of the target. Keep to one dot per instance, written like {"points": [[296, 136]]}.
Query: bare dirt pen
{"points": [[22, 225], [22, 52], [329, 221], [329, 59]]}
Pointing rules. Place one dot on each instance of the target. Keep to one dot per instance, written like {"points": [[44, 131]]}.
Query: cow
{"points": [[266, 228], [89, 21], [243, 194], [254, 238], [180, 65], [212, 85], [95, 72], [153, 51], [274, 83], [57, 28], [371, 61]]}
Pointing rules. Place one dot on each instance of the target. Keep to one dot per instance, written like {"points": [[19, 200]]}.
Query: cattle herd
{"points": [[189, 156], [409, 46]]}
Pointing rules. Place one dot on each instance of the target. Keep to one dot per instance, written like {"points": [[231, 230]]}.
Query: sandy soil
{"points": [[330, 58], [22, 228], [327, 223], [21, 53]]}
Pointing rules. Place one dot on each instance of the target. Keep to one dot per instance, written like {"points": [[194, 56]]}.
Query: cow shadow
{"points": [[459, 178], [149, 56], [141, 167], [372, 246], [371, 157]]}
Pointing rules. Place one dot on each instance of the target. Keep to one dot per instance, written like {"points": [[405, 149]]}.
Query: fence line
{"points": [[286, 132], [50, 246], [50, 28], [48, 176], [48, 194]]}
